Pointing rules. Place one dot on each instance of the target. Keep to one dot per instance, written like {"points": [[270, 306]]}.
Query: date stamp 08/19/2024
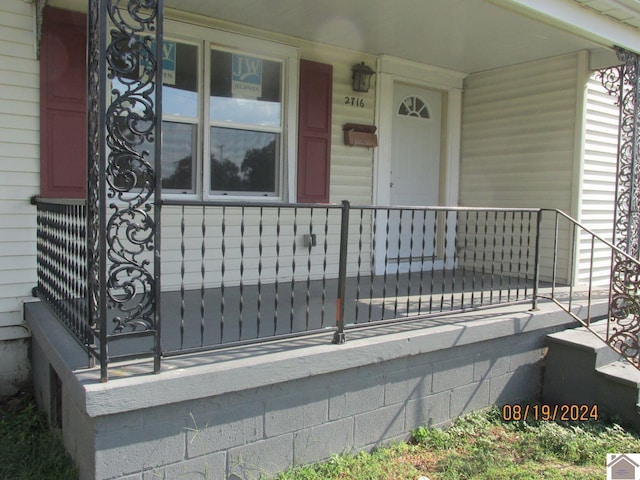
{"points": [[618, 467], [563, 412]]}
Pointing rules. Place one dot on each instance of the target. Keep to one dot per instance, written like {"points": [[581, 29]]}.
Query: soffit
{"points": [[626, 12], [461, 35]]}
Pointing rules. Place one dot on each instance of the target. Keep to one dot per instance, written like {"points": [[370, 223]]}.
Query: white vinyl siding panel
{"points": [[598, 181], [19, 158], [518, 139], [518, 127]]}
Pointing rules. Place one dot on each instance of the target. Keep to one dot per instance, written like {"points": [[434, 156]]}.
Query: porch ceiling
{"points": [[461, 35]]}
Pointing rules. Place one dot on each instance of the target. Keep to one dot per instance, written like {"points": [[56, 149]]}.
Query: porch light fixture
{"points": [[361, 77]]}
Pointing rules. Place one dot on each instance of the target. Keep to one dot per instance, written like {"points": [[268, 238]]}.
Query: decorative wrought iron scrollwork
{"points": [[624, 306], [611, 78], [624, 312], [130, 282], [141, 15], [95, 122], [123, 177], [131, 122], [622, 83]]}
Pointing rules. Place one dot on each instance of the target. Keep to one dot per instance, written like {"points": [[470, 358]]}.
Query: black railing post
{"points": [[536, 265], [157, 198], [96, 179], [339, 336]]}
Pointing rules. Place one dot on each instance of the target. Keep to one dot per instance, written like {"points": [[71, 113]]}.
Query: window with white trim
{"points": [[228, 115]]}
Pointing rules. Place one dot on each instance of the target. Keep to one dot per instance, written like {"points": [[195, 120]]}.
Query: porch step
{"points": [[580, 368]]}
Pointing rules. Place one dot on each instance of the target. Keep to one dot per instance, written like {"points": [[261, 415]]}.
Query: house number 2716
{"points": [[354, 101]]}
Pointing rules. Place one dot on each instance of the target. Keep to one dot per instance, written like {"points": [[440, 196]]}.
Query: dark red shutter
{"points": [[63, 138], [314, 131]]}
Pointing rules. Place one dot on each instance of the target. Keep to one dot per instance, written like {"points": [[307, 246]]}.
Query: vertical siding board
{"points": [[599, 180]]}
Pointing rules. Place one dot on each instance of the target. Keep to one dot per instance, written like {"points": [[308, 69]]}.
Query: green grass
{"points": [[28, 448], [380, 464], [481, 446]]}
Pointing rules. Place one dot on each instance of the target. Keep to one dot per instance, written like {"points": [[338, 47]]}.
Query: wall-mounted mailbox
{"points": [[360, 135]]}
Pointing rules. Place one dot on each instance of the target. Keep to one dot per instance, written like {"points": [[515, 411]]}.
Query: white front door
{"points": [[415, 172], [415, 160]]}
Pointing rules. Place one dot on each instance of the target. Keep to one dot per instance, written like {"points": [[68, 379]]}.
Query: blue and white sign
{"points": [[247, 77], [168, 61]]}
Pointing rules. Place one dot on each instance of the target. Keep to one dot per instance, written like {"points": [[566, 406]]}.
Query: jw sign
{"points": [[247, 77], [168, 62]]}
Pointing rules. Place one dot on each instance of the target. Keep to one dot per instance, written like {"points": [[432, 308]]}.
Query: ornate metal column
{"points": [[624, 310], [123, 197]]}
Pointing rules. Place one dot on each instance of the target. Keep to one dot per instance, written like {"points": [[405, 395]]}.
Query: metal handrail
{"points": [[590, 232], [467, 257]]}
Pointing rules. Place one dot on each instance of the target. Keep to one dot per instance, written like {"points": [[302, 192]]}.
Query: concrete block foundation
{"points": [[231, 415], [15, 371]]}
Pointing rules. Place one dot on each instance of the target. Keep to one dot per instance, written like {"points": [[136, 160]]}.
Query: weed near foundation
{"points": [[29, 450]]}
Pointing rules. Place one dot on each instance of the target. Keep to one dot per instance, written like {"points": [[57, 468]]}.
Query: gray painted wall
{"points": [[249, 416]]}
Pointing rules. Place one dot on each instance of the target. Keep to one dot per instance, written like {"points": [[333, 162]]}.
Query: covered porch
{"points": [[194, 333], [291, 357]]}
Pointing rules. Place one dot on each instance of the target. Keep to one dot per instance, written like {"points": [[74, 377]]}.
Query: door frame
{"points": [[392, 70]]}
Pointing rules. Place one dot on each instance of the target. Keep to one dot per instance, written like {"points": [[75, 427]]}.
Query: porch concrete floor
{"points": [[198, 319], [435, 332]]}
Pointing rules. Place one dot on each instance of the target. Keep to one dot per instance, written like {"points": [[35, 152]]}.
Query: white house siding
{"points": [[19, 179], [519, 139], [598, 181], [351, 179]]}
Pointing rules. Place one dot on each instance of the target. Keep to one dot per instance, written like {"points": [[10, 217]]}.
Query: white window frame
{"points": [[197, 163], [208, 39]]}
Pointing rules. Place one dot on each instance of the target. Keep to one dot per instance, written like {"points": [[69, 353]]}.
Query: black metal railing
{"points": [[250, 272], [62, 263], [605, 273], [571, 286], [237, 273]]}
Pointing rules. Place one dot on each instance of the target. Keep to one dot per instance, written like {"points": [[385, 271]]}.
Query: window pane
{"points": [[251, 112], [178, 147], [245, 89], [244, 161], [180, 82]]}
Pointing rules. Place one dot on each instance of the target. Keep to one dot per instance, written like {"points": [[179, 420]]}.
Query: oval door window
{"points": [[413, 106]]}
